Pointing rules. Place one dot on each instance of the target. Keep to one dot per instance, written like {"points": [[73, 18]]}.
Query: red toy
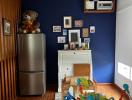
{"points": [[122, 95], [81, 89]]}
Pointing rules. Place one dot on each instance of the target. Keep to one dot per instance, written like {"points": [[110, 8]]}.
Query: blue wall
{"points": [[51, 13]]}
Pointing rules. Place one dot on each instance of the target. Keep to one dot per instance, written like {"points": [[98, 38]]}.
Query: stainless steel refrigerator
{"points": [[31, 62]]}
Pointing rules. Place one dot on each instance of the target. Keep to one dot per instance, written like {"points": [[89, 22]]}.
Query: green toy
{"points": [[84, 82]]}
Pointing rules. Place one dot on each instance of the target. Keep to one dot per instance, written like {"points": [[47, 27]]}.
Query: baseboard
{"points": [[118, 87]]}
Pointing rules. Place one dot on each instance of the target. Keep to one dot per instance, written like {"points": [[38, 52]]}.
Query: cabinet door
{"points": [[32, 83], [31, 49]]}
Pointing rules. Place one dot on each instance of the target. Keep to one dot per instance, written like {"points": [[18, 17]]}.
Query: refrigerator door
{"points": [[31, 51], [32, 83]]}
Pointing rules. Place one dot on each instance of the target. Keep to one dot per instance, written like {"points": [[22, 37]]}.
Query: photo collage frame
{"points": [[74, 34]]}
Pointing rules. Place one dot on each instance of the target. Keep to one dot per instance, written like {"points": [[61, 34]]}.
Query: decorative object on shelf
{"points": [[66, 47], [56, 28], [92, 29], [99, 6], [64, 31], [6, 26], [74, 36], [86, 41], [61, 39], [72, 45], [85, 32], [83, 46], [29, 23], [67, 22], [79, 44], [78, 23]]}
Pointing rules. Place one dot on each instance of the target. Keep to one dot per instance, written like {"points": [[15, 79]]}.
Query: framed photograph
{"points": [[92, 29], [78, 23], [85, 32], [86, 41], [74, 36], [61, 39], [89, 5], [56, 28], [6, 26], [67, 22], [64, 31]]}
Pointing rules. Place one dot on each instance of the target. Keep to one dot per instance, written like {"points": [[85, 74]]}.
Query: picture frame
{"points": [[85, 32], [67, 22], [61, 39], [89, 5], [6, 26], [87, 42], [64, 31], [74, 36], [92, 29], [78, 23], [56, 28]]}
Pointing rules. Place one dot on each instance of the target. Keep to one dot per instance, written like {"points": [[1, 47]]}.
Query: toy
{"points": [[111, 98], [84, 82], [29, 23], [126, 88], [81, 89], [125, 91], [71, 91], [69, 97]]}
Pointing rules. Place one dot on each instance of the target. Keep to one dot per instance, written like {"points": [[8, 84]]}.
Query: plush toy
{"points": [[29, 23]]}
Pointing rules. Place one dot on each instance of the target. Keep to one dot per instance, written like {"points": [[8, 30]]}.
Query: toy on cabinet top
{"points": [[29, 23]]}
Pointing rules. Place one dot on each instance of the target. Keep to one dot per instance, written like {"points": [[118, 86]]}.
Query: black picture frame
{"points": [[6, 26]]}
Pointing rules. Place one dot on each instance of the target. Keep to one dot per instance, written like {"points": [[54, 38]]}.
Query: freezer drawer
{"points": [[32, 83], [31, 52]]}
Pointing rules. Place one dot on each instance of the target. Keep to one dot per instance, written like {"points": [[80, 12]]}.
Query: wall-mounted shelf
{"points": [[99, 6]]}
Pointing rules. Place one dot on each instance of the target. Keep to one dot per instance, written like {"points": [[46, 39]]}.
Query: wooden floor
{"points": [[106, 89]]}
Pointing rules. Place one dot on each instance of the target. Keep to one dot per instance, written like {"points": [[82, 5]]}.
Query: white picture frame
{"points": [[61, 39], [56, 28], [67, 22], [92, 29], [74, 36]]}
